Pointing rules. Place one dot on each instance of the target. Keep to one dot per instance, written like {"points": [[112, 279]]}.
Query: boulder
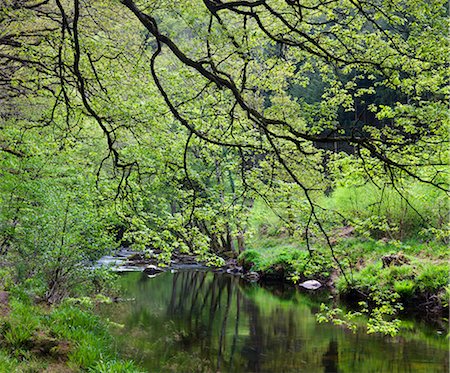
{"points": [[232, 267], [252, 276], [234, 270], [394, 260], [311, 284], [152, 270]]}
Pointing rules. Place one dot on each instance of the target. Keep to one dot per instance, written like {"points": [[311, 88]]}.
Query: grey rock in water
{"points": [[152, 270], [252, 276], [234, 270], [311, 284]]}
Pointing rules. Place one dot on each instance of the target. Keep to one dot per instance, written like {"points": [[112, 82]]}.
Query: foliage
{"points": [[291, 263], [189, 149], [381, 212], [380, 317], [387, 289], [20, 327], [6, 278], [338, 317], [7, 363], [414, 278], [114, 366], [73, 331]]}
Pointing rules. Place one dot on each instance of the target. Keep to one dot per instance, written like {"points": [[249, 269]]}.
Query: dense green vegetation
{"points": [[34, 339], [308, 139]]}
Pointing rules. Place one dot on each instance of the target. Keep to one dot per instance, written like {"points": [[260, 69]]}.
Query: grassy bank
{"points": [[386, 246], [382, 279], [412, 269], [66, 338]]}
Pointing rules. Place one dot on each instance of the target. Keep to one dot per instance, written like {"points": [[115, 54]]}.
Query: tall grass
{"points": [[76, 334], [385, 212]]}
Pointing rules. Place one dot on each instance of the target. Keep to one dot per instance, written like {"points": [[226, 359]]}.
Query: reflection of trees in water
{"points": [[206, 322], [330, 358], [232, 326], [252, 349], [209, 306], [228, 327]]}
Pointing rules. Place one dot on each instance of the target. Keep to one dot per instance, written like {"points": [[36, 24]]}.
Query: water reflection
{"points": [[208, 322]]}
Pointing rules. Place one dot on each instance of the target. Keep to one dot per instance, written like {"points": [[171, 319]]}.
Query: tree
{"points": [[225, 72], [254, 51]]}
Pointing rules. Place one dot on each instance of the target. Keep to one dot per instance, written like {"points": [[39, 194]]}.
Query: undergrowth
{"points": [[33, 337]]}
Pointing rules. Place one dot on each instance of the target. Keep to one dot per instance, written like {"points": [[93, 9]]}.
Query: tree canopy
{"points": [[186, 112]]}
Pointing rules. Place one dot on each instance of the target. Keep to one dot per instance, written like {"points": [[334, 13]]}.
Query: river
{"points": [[199, 321]]}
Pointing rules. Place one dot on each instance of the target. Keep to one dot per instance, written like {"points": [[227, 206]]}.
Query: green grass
{"points": [[292, 263], [72, 333], [416, 278], [382, 212]]}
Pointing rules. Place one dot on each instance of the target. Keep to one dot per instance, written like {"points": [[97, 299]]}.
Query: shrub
{"points": [[6, 278], [250, 259], [87, 351], [433, 277], [7, 363]]}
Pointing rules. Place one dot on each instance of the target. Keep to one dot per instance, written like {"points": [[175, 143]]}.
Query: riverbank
{"points": [[66, 338], [382, 280], [411, 274], [401, 277]]}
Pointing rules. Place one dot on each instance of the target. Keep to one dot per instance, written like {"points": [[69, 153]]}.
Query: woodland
{"points": [[302, 139]]}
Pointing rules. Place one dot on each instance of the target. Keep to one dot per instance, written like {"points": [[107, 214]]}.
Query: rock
{"points": [[251, 276], [275, 272], [234, 270], [152, 270], [135, 257], [43, 344], [232, 267], [311, 284], [394, 260], [184, 259]]}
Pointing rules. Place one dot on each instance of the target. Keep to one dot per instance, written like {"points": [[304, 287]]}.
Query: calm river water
{"points": [[208, 322]]}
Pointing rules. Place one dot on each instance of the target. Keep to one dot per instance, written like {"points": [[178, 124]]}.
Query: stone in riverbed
{"points": [[252, 276], [311, 284], [152, 270], [136, 257], [234, 270]]}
